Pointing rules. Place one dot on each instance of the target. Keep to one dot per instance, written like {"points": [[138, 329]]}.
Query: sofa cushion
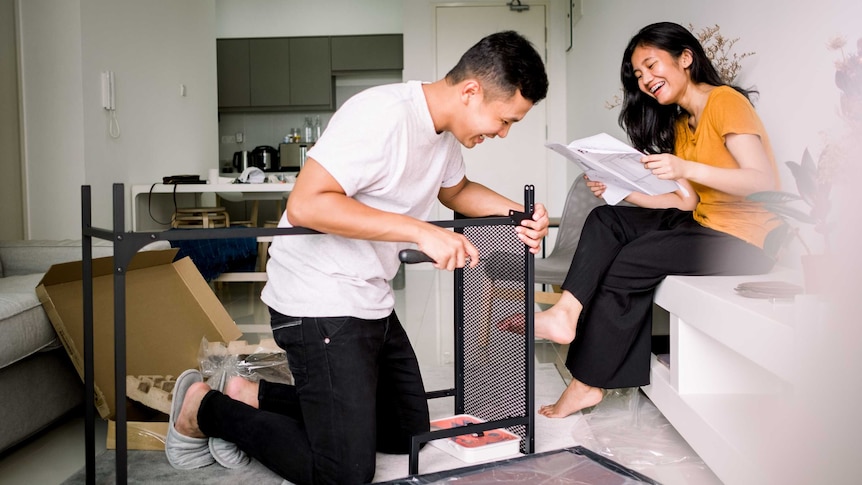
{"points": [[36, 256], [36, 391], [24, 325]]}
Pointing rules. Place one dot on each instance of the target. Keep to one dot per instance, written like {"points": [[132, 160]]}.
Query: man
{"points": [[369, 185]]}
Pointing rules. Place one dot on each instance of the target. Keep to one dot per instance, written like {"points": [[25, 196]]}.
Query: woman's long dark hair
{"points": [[650, 125]]}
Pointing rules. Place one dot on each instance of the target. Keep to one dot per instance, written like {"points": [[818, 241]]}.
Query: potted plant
{"points": [[813, 182]]}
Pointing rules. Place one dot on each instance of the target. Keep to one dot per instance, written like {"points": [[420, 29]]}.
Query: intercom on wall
{"points": [[108, 90], [109, 103]]}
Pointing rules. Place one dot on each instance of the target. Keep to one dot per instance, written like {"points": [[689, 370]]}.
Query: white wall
{"points": [[152, 47], [280, 18], [50, 49]]}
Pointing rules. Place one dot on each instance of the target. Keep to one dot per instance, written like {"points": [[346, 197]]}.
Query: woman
{"points": [[703, 133]]}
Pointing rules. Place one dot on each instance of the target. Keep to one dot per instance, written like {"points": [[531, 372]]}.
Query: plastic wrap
{"points": [[627, 428], [574, 466], [219, 362]]}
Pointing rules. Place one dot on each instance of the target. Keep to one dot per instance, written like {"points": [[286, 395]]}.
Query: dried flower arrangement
{"points": [[848, 78], [719, 50]]}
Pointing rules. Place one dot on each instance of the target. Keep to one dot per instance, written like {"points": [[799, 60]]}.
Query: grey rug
{"points": [[152, 468]]}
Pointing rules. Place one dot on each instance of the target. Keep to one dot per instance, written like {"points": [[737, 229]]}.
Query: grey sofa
{"points": [[38, 383]]}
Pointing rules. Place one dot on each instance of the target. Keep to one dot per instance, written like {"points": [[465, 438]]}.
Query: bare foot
{"points": [[577, 396], [187, 422], [558, 323], [243, 390]]}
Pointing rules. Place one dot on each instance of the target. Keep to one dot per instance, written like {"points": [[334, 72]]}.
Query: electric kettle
{"points": [[265, 158], [241, 161]]}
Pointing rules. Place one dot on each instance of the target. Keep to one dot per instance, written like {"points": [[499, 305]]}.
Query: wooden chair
{"points": [[200, 217], [263, 243]]}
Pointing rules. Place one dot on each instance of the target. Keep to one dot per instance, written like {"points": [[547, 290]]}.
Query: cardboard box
{"points": [[141, 435], [169, 309]]}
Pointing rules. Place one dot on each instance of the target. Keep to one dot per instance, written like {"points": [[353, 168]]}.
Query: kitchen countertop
{"points": [[224, 189]]}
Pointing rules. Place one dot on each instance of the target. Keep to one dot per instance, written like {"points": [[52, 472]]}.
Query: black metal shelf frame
{"points": [[126, 244]]}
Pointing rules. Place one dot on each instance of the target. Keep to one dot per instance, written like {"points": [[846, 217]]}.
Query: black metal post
{"points": [[529, 338], [121, 434], [89, 375], [458, 358]]}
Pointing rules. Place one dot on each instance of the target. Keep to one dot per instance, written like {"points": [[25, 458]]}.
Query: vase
{"points": [[816, 273]]}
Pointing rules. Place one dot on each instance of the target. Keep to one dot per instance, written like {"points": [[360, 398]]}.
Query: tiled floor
{"points": [[59, 452]]}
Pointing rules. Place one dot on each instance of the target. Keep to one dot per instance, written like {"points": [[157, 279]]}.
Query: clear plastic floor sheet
{"points": [[571, 466], [627, 428]]}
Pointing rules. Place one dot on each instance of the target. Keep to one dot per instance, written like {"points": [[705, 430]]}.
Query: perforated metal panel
{"points": [[494, 370]]}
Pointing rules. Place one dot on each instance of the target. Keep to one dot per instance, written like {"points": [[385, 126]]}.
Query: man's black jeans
{"points": [[357, 391]]}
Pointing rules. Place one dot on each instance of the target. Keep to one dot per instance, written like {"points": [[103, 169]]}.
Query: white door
{"points": [[506, 164]]}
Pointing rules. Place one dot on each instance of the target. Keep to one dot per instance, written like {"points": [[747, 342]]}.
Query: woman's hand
{"points": [[666, 166], [755, 170], [597, 188]]}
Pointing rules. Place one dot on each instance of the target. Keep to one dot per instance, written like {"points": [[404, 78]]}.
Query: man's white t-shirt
{"points": [[382, 148]]}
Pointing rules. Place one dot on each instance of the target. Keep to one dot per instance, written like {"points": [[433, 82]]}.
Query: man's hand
{"points": [[532, 231], [448, 249]]}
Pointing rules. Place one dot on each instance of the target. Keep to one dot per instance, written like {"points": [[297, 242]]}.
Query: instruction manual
{"points": [[605, 159]]}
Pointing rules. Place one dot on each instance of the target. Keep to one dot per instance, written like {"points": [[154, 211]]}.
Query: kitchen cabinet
{"points": [[310, 72], [274, 74], [269, 72], [368, 52], [233, 81]]}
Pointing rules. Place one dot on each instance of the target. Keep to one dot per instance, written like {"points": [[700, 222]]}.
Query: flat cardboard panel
{"points": [[169, 309], [141, 435]]}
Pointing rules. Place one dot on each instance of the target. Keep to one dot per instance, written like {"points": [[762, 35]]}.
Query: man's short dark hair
{"points": [[504, 62]]}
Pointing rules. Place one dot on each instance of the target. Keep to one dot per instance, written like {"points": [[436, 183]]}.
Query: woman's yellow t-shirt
{"points": [[726, 112]]}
